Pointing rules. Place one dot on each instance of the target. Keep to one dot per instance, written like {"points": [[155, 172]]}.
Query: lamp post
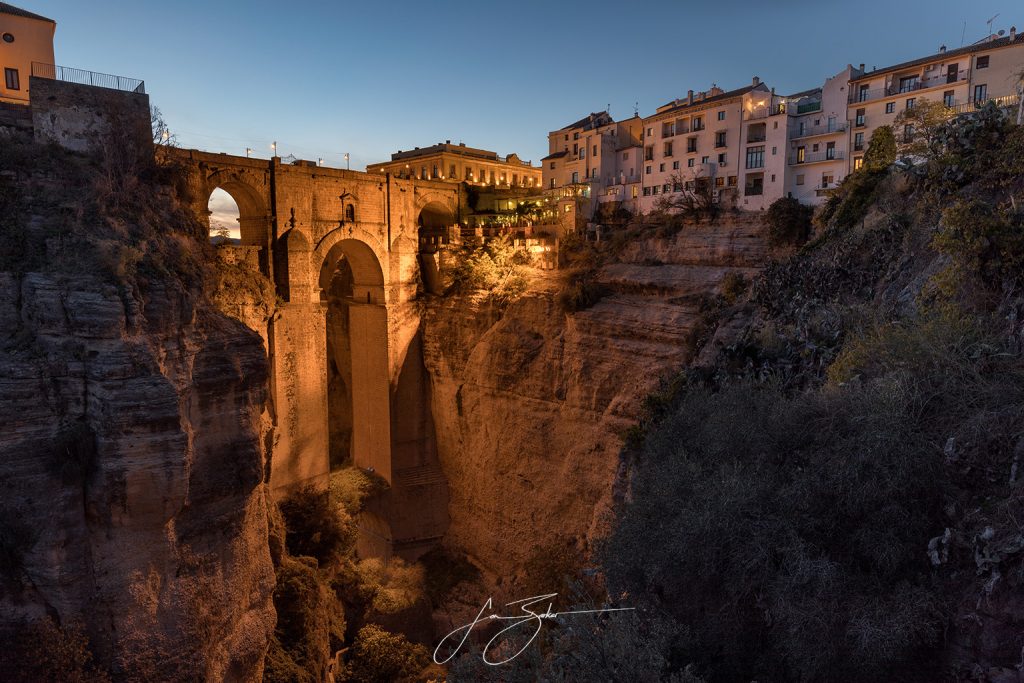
{"points": [[273, 146], [248, 152], [346, 162]]}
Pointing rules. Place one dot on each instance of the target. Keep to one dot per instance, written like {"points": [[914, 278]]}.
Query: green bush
{"points": [[881, 151], [984, 240], [315, 526], [377, 655], [789, 222], [43, 652]]}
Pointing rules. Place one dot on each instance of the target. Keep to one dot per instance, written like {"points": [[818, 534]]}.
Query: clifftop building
{"points": [[753, 146], [459, 163], [25, 39]]}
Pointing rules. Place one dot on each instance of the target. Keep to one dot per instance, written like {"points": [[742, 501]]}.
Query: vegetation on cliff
{"points": [[836, 494]]}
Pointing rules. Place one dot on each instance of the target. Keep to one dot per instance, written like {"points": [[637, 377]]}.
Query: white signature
{"points": [[528, 616]]}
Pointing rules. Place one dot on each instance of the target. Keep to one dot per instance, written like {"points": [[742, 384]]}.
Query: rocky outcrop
{"points": [[132, 495], [531, 403]]}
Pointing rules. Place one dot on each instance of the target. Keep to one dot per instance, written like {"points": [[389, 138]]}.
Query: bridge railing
{"points": [[55, 72]]}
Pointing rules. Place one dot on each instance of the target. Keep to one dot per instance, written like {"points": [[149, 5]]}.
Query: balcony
{"points": [[763, 112], [808, 107], [818, 157], [894, 89], [968, 107], [756, 137], [811, 131]]}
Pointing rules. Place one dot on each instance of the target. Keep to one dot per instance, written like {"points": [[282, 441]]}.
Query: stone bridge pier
{"points": [[343, 250]]}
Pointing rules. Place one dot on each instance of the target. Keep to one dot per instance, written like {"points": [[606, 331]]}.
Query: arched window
{"points": [[350, 213]]}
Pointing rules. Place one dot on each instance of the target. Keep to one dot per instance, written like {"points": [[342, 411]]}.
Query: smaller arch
{"points": [[367, 273]]}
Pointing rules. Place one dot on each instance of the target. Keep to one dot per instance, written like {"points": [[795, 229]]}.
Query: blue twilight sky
{"points": [[323, 78]]}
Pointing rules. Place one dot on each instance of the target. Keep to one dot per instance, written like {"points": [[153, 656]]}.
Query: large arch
{"points": [[351, 284]]}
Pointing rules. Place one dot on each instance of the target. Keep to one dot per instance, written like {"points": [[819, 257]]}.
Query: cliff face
{"points": [[132, 458], [132, 471], [531, 403]]}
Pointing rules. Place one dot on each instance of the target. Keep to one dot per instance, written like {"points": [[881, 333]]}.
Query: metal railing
{"points": [[808, 107], [826, 129], [974, 105], [907, 88], [816, 157], [68, 74]]}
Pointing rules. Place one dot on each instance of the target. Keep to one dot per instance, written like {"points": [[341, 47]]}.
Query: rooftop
{"points": [[18, 12], [447, 147], [698, 100], [594, 120], [986, 44]]}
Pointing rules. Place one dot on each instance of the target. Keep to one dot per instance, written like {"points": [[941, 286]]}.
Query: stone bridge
{"points": [[343, 250]]}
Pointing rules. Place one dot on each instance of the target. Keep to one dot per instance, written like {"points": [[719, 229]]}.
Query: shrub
{"points": [[443, 571], [309, 622], [733, 286], [494, 267], [45, 652], [315, 526], [983, 239], [789, 222], [774, 529], [378, 655], [580, 293], [351, 486]]}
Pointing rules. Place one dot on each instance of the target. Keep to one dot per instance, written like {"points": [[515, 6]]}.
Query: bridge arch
{"points": [[253, 212], [351, 284]]}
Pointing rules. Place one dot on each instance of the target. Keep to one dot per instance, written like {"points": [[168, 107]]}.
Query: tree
{"points": [[789, 222], [881, 153], [694, 199], [921, 126], [162, 135]]}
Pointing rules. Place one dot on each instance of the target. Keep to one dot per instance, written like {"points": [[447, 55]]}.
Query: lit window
{"points": [[858, 162]]}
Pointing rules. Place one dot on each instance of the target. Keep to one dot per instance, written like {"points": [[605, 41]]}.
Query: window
{"points": [[568, 208], [8, 38], [982, 62], [593, 173], [732, 181], [666, 188], [691, 145], [594, 153], [689, 163], [755, 157], [859, 121], [908, 133], [656, 189], [634, 191], [858, 162], [575, 149], [721, 116], [661, 168], [647, 170], [649, 153], [775, 150], [910, 102], [720, 139], [575, 136], [11, 80], [675, 165], [754, 186], [830, 150], [890, 107], [858, 142], [451, 171], [949, 98], [827, 179], [814, 147], [862, 94], [350, 213], [698, 123], [800, 180], [704, 160], [647, 192], [552, 184], [625, 156], [719, 181], [575, 177], [551, 166], [583, 152], [650, 132], [721, 159], [668, 149], [800, 155], [980, 93]]}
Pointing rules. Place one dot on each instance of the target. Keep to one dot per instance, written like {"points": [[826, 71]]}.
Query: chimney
{"points": [[942, 49], [862, 66], [1013, 33], [689, 97], [447, 142], [756, 81]]}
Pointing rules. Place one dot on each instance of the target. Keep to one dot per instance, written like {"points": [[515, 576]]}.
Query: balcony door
{"points": [[952, 72]]}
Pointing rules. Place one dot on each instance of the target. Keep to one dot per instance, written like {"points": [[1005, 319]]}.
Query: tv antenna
{"points": [[989, 36], [636, 109]]}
